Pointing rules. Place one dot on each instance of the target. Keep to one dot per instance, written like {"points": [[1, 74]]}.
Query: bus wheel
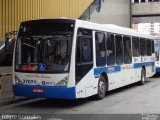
{"points": [[143, 77], [101, 88]]}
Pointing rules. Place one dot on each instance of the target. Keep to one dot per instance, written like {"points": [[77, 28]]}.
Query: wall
{"points": [[15, 11], [148, 19], [146, 12], [113, 12], [146, 9]]}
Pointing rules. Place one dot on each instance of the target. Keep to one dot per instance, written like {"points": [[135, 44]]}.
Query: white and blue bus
{"points": [[70, 59], [157, 53]]}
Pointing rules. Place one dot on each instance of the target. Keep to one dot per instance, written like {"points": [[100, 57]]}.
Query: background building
{"points": [[144, 28], [148, 28], [112, 12], [146, 16], [12, 12]]}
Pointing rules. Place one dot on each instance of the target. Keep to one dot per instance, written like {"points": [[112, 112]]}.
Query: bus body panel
{"points": [[42, 85], [39, 79], [44, 91], [87, 86]]}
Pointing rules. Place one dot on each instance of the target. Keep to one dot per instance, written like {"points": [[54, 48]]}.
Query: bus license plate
{"points": [[38, 90]]}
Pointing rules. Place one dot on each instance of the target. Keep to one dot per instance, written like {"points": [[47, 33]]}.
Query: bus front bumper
{"points": [[44, 91]]}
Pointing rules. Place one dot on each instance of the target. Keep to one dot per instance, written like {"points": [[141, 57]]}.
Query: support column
{"points": [[0, 86], [0, 18]]}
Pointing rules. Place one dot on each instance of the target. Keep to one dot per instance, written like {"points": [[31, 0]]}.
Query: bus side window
{"points": [[135, 47], [149, 47], [84, 50], [127, 50], [143, 47], [110, 49], [153, 47], [119, 49], [157, 52], [100, 49]]}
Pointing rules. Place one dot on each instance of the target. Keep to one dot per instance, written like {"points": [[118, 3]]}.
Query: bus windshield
{"points": [[44, 52]]}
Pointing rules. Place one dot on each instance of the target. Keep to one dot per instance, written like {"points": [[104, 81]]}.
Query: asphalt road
{"points": [[128, 103]]}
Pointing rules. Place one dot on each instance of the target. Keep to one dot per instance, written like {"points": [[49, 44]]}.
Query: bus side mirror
{"points": [[6, 43]]}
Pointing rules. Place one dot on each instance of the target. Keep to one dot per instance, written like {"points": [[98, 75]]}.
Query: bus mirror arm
{"points": [[8, 36]]}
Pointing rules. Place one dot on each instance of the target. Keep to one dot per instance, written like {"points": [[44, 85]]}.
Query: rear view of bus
{"points": [[42, 59]]}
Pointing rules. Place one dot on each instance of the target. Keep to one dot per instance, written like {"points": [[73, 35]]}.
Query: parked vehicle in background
{"points": [[157, 53], [6, 48]]}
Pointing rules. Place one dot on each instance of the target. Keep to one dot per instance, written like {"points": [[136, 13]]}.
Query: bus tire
{"points": [[143, 77], [102, 87]]}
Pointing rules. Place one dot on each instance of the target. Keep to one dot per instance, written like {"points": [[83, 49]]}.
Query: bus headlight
{"points": [[63, 82], [17, 80]]}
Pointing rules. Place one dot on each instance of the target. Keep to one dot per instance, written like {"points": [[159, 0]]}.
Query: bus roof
{"points": [[112, 28], [101, 27]]}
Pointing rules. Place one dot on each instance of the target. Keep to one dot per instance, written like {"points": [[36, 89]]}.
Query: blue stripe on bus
{"points": [[98, 71], [139, 65], [48, 91]]}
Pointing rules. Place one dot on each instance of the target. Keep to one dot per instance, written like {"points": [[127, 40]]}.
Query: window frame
{"points": [[145, 50], [105, 48], [86, 36], [130, 39], [148, 40], [139, 51], [119, 35], [153, 47], [109, 34]]}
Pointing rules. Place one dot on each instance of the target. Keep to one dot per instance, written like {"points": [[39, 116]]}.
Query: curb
{"points": [[8, 101]]}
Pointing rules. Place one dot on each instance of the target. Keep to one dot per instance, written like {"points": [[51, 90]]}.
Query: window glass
{"points": [[43, 54], [127, 50], [143, 47], [84, 53], [157, 49], [2, 43], [153, 49], [135, 47], [110, 49], [119, 49], [84, 50], [100, 49], [149, 47]]}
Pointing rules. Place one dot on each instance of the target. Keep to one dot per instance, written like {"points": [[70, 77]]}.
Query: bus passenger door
{"points": [[84, 63]]}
